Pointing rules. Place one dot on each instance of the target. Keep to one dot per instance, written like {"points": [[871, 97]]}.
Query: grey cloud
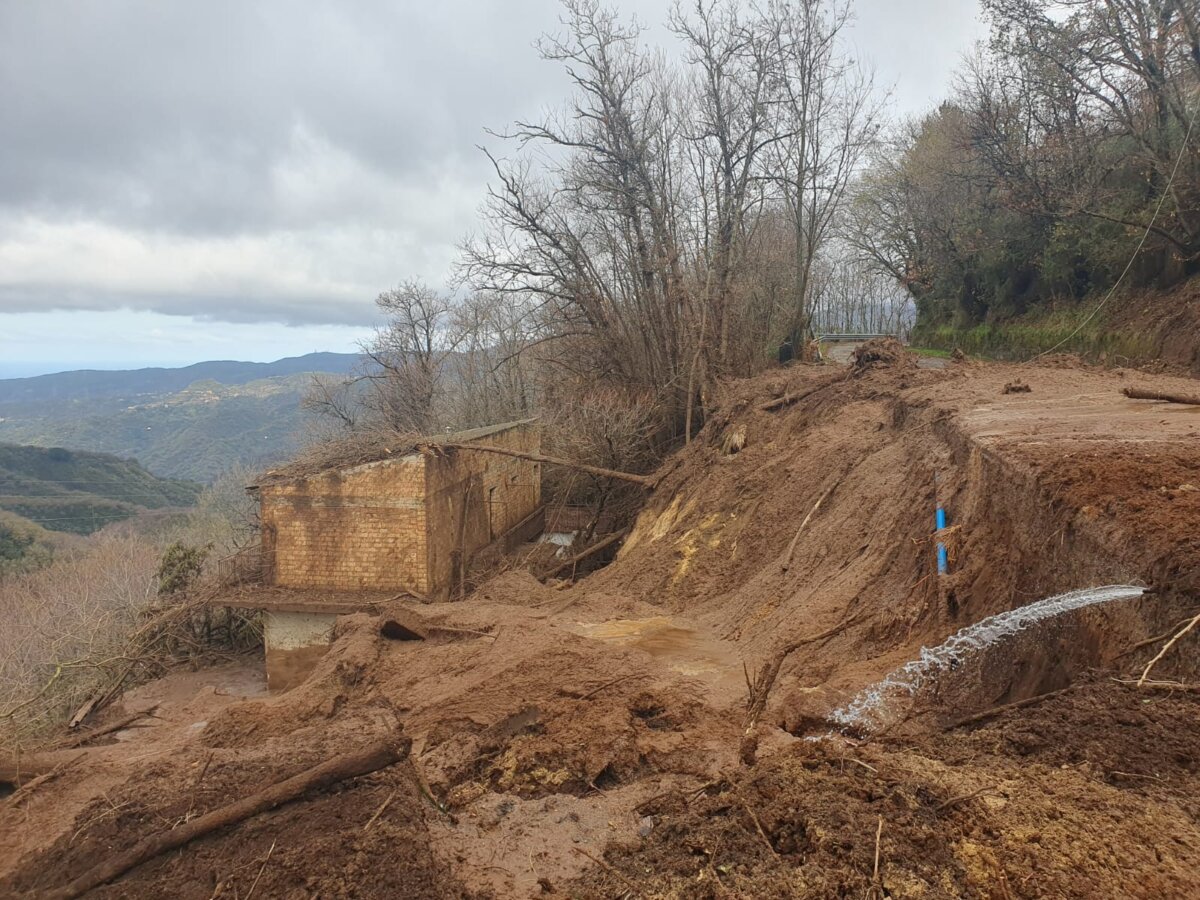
{"points": [[243, 308], [172, 115], [268, 160]]}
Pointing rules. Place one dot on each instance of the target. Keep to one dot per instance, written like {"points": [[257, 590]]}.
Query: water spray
{"points": [[868, 709]]}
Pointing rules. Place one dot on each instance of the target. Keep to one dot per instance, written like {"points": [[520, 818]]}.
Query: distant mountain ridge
{"points": [[83, 384], [192, 423]]}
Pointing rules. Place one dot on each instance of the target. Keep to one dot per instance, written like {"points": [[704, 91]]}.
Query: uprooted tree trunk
{"points": [[378, 755], [789, 398], [760, 689], [17, 771], [26, 788]]}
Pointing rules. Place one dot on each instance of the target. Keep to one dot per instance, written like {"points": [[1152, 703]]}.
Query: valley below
{"points": [[191, 423]]}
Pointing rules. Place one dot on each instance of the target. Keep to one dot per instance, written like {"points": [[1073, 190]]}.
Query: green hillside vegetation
{"points": [[1042, 331], [130, 386], [81, 492], [1064, 165], [24, 545], [195, 433]]}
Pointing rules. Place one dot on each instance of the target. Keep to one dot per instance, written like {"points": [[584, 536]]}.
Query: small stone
{"points": [[645, 826]]}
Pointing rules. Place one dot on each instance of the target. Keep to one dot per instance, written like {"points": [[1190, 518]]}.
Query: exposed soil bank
{"points": [[589, 741]]}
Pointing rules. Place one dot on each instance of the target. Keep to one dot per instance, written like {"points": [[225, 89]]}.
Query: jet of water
{"points": [[867, 709]]}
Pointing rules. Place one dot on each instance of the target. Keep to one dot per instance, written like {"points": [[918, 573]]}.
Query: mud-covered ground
{"points": [[591, 740]]}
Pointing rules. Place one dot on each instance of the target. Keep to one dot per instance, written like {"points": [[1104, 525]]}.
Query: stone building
{"points": [[333, 540]]}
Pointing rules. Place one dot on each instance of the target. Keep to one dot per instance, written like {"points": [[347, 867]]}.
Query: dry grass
{"points": [[65, 627], [93, 623]]}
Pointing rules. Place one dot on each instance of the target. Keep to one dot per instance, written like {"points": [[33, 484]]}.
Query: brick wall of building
{"points": [[399, 523], [474, 498], [357, 528]]}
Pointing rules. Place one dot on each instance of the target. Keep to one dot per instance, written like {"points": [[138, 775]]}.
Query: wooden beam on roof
{"points": [[644, 480]]}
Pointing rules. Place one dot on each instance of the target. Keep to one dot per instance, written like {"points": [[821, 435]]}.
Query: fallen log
{"points": [[17, 771], [791, 550], [644, 480], [377, 756], [1134, 393], [1003, 708], [23, 792], [100, 699], [788, 399], [590, 551], [80, 739]]}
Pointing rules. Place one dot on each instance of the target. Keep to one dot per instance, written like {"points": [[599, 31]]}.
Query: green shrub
{"points": [[24, 546], [180, 567], [1024, 338]]}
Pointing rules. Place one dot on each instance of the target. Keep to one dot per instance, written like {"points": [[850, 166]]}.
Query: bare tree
{"points": [[399, 386], [830, 119], [610, 428], [733, 60], [496, 364], [849, 297], [1128, 68], [592, 236], [657, 234], [630, 219], [410, 352]]}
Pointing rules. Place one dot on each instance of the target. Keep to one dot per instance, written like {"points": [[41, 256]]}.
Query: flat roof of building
{"points": [[354, 452]]}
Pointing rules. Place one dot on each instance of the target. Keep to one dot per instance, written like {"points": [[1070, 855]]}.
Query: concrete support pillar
{"points": [[294, 642]]}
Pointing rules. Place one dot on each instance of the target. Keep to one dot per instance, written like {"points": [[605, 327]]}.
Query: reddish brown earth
{"points": [[583, 741]]}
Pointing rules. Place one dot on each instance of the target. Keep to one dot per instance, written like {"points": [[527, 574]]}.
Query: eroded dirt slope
{"points": [[589, 741]]}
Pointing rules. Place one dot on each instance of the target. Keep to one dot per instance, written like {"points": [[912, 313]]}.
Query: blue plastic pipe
{"points": [[942, 558]]}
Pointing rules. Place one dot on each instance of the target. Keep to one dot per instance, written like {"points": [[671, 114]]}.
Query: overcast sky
{"points": [[185, 180]]}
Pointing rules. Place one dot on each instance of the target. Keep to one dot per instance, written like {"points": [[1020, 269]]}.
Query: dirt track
{"points": [[589, 746]]}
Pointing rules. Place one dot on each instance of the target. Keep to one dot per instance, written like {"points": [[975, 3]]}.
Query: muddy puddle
{"points": [[680, 647], [235, 681]]}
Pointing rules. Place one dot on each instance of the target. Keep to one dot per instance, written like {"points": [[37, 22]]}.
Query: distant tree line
{"points": [[1065, 143]]}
